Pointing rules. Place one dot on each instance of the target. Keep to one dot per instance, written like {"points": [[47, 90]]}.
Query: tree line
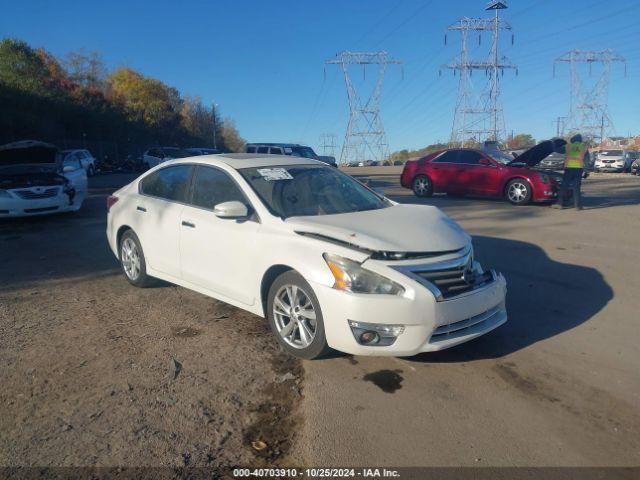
{"points": [[76, 101]]}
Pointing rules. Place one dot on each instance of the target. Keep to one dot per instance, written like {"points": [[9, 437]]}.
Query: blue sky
{"points": [[262, 61]]}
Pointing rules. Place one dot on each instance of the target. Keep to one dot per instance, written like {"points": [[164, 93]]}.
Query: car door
{"points": [[74, 172], [157, 212], [477, 174], [218, 253], [442, 171]]}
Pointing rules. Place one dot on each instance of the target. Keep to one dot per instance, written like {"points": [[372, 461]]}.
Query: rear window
{"points": [[171, 183], [263, 149], [251, 149]]}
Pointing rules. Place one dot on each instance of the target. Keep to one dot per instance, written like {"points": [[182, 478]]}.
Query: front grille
{"points": [[33, 195], [455, 281]]}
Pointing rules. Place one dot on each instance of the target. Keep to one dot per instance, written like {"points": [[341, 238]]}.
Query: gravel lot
{"points": [[88, 377]]}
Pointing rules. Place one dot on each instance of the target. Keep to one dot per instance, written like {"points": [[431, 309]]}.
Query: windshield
{"points": [[612, 153], [305, 152], [310, 190], [499, 156], [176, 153]]}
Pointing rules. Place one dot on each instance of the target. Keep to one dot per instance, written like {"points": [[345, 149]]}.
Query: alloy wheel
{"points": [[517, 192], [295, 316], [130, 257], [421, 186]]}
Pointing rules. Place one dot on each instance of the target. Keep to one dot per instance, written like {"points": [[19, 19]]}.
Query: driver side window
{"points": [[212, 186]]}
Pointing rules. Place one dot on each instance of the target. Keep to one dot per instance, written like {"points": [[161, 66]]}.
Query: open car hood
{"points": [[417, 229], [29, 153], [536, 154]]}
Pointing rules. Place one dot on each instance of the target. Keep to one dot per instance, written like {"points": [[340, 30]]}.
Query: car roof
{"points": [[248, 160], [276, 144]]}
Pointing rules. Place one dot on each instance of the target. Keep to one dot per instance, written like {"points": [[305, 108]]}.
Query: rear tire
{"points": [[295, 317], [422, 186], [518, 191], [132, 260]]}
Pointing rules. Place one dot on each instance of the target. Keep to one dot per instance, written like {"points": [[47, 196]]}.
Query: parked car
{"points": [[555, 161], [36, 180], [631, 156], [311, 249], [464, 171], [86, 159], [328, 159], [202, 151], [610, 161], [292, 149], [157, 155]]}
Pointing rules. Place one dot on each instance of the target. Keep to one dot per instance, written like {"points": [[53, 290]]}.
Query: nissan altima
{"points": [[329, 262]]}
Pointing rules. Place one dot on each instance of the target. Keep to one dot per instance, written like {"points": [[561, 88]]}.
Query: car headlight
{"points": [[351, 277], [4, 194], [544, 178]]}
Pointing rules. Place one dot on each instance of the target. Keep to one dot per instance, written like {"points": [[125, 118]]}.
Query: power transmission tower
{"points": [[328, 144], [365, 138], [479, 116], [559, 121], [588, 107]]}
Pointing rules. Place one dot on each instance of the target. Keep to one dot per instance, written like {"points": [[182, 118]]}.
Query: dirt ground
{"points": [[557, 385], [88, 374]]}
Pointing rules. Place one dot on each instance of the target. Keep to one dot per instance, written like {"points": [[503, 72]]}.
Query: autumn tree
{"points": [[231, 137], [520, 141], [145, 99], [86, 69], [22, 68]]}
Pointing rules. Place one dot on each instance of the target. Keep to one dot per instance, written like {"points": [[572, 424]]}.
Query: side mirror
{"points": [[484, 161], [232, 209], [68, 169]]}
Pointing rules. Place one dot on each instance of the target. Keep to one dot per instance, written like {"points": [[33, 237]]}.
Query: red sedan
{"points": [[466, 171]]}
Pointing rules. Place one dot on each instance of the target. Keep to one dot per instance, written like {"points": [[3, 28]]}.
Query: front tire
{"points": [[518, 191], [422, 186], [132, 260], [295, 317]]}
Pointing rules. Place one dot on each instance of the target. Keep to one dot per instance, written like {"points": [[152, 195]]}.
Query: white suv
{"points": [[85, 158], [156, 155], [329, 262], [610, 161]]}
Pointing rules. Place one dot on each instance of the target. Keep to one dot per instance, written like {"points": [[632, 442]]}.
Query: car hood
{"points": [[536, 154], [399, 228], [21, 157]]}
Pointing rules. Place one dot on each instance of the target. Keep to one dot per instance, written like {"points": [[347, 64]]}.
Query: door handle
{"points": [[141, 209], [188, 224]]}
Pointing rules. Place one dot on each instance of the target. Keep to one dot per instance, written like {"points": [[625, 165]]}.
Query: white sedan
{"points": [[35, 180], [329, 263]]}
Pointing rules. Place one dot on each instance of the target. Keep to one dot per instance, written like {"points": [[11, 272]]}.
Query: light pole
{"points": [[215, 109]]}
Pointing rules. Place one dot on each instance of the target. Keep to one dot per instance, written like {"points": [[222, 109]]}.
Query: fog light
{"points": [[375, 334], [369, 337]]}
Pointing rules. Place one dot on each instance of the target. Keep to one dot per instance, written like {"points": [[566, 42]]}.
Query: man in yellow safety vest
{"points": [[576, 152]]}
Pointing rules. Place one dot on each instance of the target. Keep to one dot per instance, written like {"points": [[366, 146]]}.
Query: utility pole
{"points": [[215, 127], [479, 116], [365, 138], [588, 108]]}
